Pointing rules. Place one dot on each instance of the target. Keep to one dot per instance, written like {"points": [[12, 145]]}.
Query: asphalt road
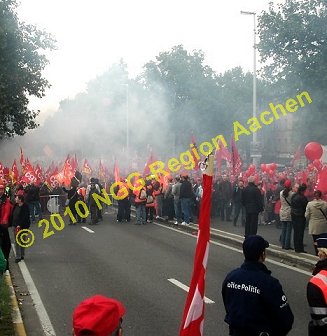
{"points": [[133, 264]]}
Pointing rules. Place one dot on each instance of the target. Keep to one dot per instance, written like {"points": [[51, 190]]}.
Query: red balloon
{"points": [[263, 167], [313, 151]]}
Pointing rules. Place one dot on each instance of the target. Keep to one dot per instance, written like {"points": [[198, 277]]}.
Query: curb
{"points": [[307, 261], [15, 312]]}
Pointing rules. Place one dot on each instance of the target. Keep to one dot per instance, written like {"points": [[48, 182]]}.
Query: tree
{"points": [[293, 47], [21, 65]]}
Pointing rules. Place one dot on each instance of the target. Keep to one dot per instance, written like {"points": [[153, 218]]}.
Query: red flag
{"points": [[235, 159], [193, 316], [52, 180], [67, 172], [196, 160], [74, 163], [102, 171], [151, 159], [38, 173], [14, 173], [116, 172], [86, 169], [222, 153], [297, 155], [29, 175]]}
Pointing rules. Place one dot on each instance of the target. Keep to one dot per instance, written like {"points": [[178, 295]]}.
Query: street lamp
{"points": [[127, 119], [254, 102]]}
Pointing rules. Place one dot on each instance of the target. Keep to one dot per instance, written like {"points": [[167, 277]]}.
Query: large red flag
{"points": [[193, 316]]}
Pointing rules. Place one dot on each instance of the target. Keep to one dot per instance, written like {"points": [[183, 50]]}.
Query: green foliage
{"points": [[21, 65], [293, 46], [6, 324]]}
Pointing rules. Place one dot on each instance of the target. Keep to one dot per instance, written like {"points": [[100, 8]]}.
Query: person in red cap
{"points": [[98, 316]]}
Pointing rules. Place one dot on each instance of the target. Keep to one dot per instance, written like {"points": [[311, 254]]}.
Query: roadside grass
{"points": [[6, 324]]}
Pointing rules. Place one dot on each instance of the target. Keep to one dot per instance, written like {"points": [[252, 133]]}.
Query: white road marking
{"points": [[186, 289], [87, 229], [295, 269], [38, 304]]}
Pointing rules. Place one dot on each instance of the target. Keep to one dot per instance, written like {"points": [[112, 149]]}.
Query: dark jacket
{"points": [[237, 195], [316, 301], [32, 193], [298, 205], [23, 219], [186, 190], [255, 302], [225, 190], [252, 199], [72, 194]]}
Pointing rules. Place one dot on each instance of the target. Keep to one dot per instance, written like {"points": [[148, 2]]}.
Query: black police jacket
{"points": [[255, 301]]}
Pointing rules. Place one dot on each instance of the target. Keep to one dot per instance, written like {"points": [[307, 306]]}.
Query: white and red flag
{"points": [[193, 316], [29, 175]]}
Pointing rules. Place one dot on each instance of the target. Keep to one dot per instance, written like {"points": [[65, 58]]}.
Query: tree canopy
{"points": [[21, 65], [293, 47]]}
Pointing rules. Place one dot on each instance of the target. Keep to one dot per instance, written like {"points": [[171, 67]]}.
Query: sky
{"points": [[92, 35]]}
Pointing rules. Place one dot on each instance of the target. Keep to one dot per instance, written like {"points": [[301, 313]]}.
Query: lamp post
{"points": [[127, 120], [254, 98]]}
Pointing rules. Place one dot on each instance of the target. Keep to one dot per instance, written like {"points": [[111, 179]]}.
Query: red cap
{"points": [[97, 314], [288, 184]]}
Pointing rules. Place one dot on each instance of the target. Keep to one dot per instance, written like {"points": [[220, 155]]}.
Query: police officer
{"points": [[254, 301], [317, 291]]}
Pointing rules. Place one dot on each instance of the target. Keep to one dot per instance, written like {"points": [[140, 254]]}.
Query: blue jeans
{"points": [[178, 211], [186, 209], [140, 213], [286, 234], [35, 209]]}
